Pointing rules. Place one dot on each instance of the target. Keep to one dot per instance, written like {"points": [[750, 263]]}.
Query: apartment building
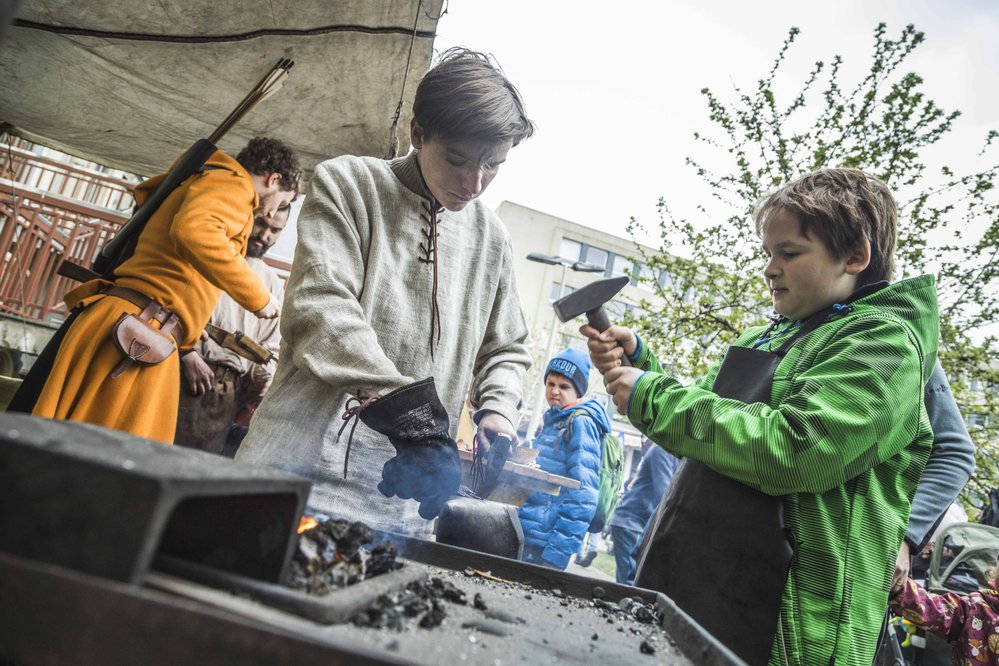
{"points": [[540, 284]]}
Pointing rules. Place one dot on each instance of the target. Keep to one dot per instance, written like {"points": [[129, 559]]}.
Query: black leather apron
{"points": [[717, 547]]}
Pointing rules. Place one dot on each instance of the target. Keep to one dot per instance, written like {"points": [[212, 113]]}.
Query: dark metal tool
{"points": [[590, 301], [481, 525], [469, 520], [239, 343], [499, 452]]}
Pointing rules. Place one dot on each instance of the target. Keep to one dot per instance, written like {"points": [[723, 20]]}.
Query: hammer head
{"points": [[589, 298]]}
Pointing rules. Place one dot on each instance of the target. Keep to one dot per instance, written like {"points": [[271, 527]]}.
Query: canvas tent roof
{"points": [[132, 84]]}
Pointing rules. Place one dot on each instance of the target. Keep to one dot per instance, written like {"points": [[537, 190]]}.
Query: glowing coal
{"points": [[332, 555]]}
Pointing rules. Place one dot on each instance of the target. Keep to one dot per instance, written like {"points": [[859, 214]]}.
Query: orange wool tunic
{"points": [[190, 249]]}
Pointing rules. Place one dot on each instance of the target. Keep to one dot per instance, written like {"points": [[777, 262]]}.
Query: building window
{"points": [[665, 279], [568, 341], [594, 255], [555, 289], [570, 249], [619, 264], [615, 311], [641, 272]]}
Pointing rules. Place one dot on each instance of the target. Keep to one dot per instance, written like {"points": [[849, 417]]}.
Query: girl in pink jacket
{"points": [[970, 622]]}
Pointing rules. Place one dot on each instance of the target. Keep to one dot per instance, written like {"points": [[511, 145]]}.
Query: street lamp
{"points": [[579, 267]]}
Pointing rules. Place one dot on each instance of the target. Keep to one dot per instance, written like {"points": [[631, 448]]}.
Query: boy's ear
{"points": [[415, 134], [273, 180], [859, 258]]}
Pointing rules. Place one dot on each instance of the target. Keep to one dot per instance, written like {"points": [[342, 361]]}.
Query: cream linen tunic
{"points": [[357, 319]]}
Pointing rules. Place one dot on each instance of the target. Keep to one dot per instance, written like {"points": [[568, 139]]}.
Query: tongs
{"points": [[486, 469]]}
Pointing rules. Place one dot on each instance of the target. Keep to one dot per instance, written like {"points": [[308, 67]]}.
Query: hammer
{"points": [[590, 300]]}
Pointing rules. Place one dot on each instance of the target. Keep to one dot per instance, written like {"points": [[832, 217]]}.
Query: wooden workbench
{"points": [[517, 481]]}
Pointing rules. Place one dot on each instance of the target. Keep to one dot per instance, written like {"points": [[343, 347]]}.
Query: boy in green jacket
{"points": [[839, 432]]}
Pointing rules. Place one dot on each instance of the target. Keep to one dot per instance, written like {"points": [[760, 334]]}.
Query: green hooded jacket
{"points": [[843, 443]]}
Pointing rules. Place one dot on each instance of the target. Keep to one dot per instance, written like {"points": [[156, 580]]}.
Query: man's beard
{"points": [[254, 251], [251, 248]]}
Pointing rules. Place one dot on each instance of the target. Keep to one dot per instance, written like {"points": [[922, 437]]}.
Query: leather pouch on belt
{"points": [[139, 343]]}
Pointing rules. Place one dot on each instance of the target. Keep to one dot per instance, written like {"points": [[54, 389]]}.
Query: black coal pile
{"points": [[472, 616], [637, 610], [425, 605], [421, 603], [333, 555]]}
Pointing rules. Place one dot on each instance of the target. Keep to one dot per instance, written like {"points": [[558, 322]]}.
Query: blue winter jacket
{"points": [[558, 523]]}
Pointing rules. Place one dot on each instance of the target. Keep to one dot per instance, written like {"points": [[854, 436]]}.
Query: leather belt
{"points": [[151, 309]]}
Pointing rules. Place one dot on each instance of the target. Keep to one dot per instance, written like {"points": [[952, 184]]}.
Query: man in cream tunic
{"points": [[399, 275]]}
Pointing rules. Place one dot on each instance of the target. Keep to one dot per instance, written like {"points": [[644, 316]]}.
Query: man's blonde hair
{"points": [[842, 207]]}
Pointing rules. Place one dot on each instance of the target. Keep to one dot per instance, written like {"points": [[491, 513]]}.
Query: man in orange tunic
{"points": [[191, 249]]}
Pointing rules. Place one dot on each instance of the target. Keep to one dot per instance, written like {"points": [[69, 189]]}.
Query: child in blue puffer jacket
{"points": [[570, 445]]}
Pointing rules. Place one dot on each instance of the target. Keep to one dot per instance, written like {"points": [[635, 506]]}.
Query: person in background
{"points": [[920, 562], [951, 464], [970, 622], [587, 550], [191, 250], [569, 444], [400, 304], [218, 383], [655, 471]]}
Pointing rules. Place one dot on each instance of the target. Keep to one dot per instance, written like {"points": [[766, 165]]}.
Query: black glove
{"points": [[426, 466], [429, 474]]}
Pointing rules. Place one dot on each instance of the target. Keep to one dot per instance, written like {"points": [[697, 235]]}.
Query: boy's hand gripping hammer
{"points": [[590, 301]]}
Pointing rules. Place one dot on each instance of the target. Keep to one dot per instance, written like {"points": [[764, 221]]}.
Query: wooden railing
{"points": [[50, 211], [65, 180]]}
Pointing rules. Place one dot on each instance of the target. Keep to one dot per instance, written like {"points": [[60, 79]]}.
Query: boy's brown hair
{"points": [[467, 96], [842, 207]]}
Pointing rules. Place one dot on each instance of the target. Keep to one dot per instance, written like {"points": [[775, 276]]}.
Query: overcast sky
{"points": [[615, 87]]}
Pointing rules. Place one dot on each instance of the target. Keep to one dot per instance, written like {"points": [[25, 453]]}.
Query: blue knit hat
{"points": [[574, 365]]}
